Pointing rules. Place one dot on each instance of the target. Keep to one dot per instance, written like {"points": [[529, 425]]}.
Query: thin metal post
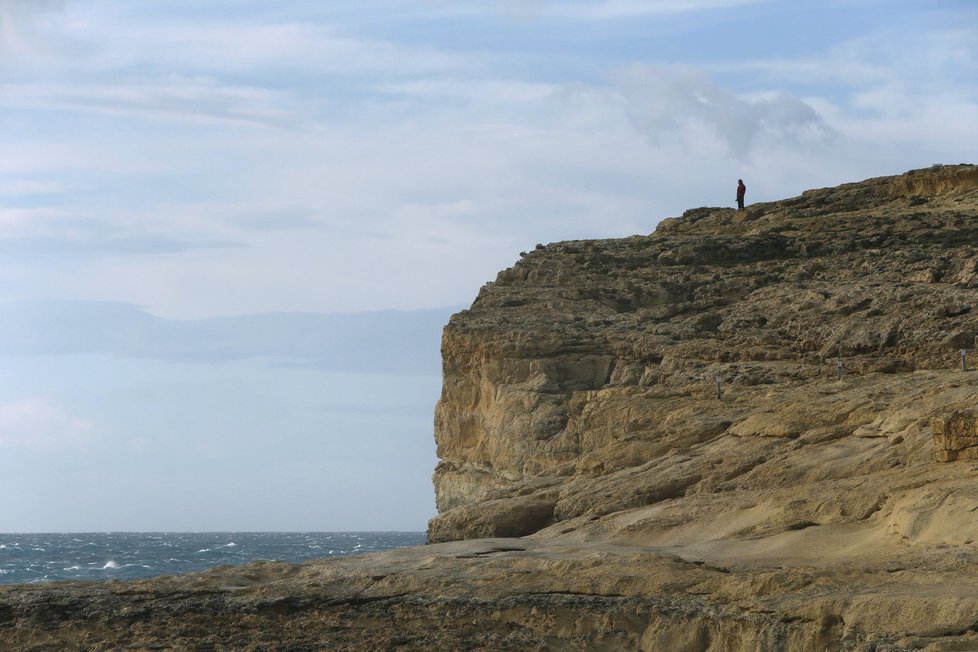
{"points": [[964, 359], [719, 379]]}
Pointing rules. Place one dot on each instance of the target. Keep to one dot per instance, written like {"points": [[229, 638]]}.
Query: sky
{"points": [[230, 232]]}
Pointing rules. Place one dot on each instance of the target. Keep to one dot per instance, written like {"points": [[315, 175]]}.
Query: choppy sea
{"points": [[130, 555]]}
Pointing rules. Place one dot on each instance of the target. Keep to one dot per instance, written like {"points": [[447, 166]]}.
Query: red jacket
{"points": [[741, 189]]}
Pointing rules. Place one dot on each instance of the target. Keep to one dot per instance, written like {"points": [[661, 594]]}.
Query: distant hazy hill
{"points": [[389, 341]]}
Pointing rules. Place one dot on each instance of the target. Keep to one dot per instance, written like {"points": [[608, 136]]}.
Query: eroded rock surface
{"points": [[584, 377], [956, 436], [595, 493]]}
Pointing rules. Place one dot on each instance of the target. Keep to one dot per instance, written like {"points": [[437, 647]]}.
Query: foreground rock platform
{"points": [[594, 490], [548, 593]]}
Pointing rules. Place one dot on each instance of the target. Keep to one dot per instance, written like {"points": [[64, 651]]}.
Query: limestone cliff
{"points": [[582, 382], [596, 493]]}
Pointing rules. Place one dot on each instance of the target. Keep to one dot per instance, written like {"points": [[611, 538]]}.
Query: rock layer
{"points": [[578, 376], [956, 436], [594, 490]]}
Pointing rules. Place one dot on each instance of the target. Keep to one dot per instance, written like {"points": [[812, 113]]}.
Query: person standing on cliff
{"points": [[741, 189]]}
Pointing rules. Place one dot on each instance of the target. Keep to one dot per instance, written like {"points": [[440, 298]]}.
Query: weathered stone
{"points": [[771, 300], [956, 436], [800, 511]]}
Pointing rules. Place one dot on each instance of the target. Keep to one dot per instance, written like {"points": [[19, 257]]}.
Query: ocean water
{"points": [[129, 555]]}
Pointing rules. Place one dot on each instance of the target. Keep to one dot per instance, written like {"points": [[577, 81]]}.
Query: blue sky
{"points": [[170, 165]]}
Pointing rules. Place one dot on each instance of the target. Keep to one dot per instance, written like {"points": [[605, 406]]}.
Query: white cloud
{"points": [[35, 423], [896, 98], [682, 104]]}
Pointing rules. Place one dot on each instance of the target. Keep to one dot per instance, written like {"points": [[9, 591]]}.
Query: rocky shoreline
{"points": [[510, 594], [594, 492]]}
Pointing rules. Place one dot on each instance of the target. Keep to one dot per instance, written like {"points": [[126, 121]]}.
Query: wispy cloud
{"points": [[36, 423], [30, 187], [171, 98], [41, 247], [276, 219], [20, 220], [88, 40], [598, 9], [620, 9], [26, 233], [295, 47], [476, 91], [926, 61]]}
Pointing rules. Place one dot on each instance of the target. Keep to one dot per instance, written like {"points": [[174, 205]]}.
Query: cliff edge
{"points": [[751, 430], [583, 381]]}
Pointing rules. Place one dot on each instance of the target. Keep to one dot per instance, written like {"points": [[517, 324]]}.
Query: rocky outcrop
{"points": [[511, 594], [956, 436], [596, 491], [584, 377]]}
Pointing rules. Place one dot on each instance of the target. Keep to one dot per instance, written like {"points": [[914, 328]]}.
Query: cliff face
{"points": [[809, 506], [582, 382]]}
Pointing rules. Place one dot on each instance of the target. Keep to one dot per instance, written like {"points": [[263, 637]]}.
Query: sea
{"points": [[33, 558]]}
